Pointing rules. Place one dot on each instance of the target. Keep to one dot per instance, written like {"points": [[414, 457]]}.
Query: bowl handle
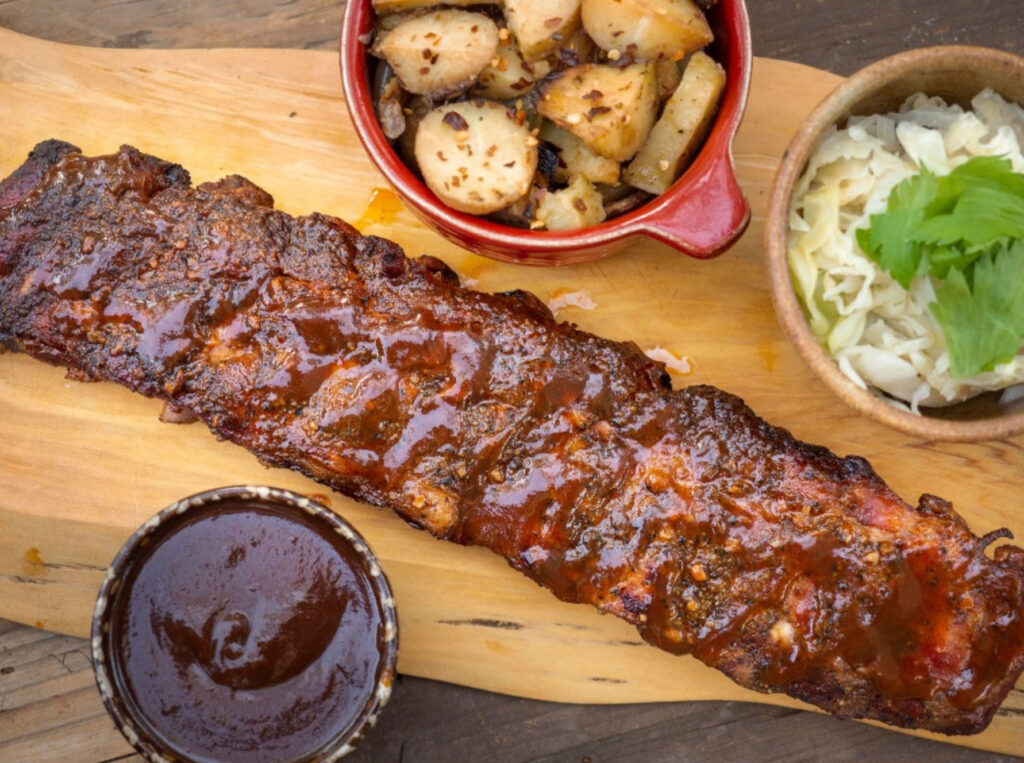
{"points": [[709, 218]]}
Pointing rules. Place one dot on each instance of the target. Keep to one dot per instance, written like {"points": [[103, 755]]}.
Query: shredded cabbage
{"points": [[883, 336]]}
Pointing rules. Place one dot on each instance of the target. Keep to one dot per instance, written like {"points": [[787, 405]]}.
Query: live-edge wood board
{"points": [[83, 465]]}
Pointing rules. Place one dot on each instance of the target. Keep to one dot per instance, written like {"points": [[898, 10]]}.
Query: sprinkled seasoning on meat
{"points": [[481, 419]]}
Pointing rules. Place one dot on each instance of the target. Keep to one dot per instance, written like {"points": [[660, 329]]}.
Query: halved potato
{"points": [[507, 76], [678, 135], [396, 6], [647, 28], [610, 108], [475, 155], [541, 26], [577, 206], [439, 54], [576, 158]]}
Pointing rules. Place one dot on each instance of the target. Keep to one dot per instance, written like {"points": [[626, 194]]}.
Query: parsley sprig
{"points": [[965, 230]]}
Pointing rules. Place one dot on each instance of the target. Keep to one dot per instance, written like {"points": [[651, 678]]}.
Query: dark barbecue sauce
{"points": [[247, 634]]}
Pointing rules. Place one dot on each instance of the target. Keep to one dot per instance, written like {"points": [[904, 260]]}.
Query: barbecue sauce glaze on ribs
{"points": [[481, 419]]}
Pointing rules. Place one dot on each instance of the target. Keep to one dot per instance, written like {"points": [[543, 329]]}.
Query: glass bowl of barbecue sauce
{"points": [[245, 624]]}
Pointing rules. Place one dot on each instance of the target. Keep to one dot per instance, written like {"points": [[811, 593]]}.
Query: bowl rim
{"points": [[831, 110], [714, 165], [108, 686]]}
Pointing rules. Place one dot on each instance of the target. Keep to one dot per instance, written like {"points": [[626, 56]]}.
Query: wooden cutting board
{"points": [[82, 465]]}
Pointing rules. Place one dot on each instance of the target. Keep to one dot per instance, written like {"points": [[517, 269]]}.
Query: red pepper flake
{"points": [[553, 22]]}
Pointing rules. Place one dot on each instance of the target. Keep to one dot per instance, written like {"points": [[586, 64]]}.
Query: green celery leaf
{"points": [[990, 171], [942, 258], [982, 214], [983, 322], [890, 239]]}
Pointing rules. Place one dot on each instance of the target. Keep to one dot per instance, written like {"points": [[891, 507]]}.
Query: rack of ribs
{"points": [[481, 419]]}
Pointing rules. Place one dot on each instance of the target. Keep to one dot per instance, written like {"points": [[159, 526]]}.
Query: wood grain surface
{"points": [[508, 729]]}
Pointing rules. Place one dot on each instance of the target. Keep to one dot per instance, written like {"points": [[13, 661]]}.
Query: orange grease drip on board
{"points": [[383, 207], [768, 355], [33, 564]]}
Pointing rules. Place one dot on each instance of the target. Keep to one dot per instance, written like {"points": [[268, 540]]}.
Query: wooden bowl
{"points": [[701, 215], [956, 74]]}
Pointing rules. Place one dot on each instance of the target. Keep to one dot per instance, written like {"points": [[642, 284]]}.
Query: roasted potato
{"points": [[475, 155], [668, 74], [577, 206], [440, 54], [610, 108], [679, 132], [507, 76], [541, 26], [575, 50], [646, 29], [575, 159], [397, 6]]}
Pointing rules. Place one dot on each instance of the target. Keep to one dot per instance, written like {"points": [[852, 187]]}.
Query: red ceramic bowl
{"points": [[701, 215]]}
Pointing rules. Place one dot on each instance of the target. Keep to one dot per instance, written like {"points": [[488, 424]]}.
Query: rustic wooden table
{"points": [[49, 709]]}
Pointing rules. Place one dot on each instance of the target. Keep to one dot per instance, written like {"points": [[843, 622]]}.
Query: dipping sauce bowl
{"points": [[245, 624]]}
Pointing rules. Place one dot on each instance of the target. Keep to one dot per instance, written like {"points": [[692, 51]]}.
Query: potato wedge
{"points": [[578, 206], [475, 155], [397, 6], [439, 54], [508, 76], [647, 29], [576, 159], [678, 135], [668, 74], [610, 108], [540, 26]]}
